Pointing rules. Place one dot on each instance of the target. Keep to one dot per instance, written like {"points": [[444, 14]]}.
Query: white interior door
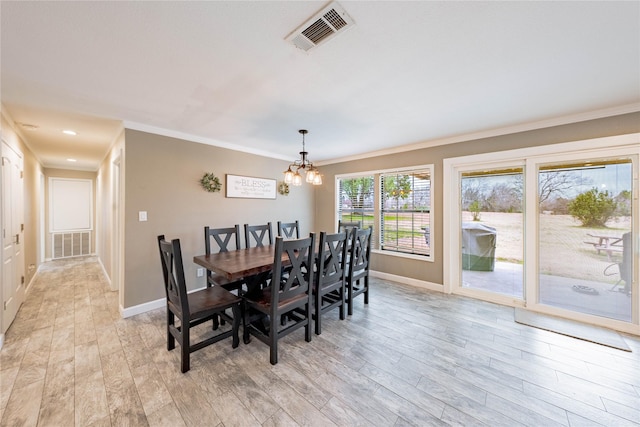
{"points": [[13, 287]]}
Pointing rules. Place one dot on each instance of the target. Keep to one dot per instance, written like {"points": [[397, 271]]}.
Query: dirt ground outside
{"points": [[563, 251]]}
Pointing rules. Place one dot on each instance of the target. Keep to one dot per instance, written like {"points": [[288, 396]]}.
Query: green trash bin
{"points": [[478, 247]]}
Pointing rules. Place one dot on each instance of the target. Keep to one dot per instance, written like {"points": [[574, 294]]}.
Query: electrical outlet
{"points": [[200, 272]]}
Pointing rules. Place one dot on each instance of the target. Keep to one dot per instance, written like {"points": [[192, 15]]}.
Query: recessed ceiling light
{"points": [[69, 132], [71, 160]]}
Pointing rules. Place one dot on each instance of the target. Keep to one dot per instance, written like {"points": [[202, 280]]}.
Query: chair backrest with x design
{"points": [[295, 279], [360, 252], [222, 237], [173, 272], [347, 226], [289, 230], [332, 255], [360, 255], [258, 235], [225, 239], [331, 275]]}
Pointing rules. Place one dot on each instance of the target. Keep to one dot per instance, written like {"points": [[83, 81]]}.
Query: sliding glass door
{"points": [[491, 231], [585, 216], [553, 229]]}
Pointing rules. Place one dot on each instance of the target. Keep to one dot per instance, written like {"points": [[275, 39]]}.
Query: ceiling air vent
{"points": [[322, 27]]}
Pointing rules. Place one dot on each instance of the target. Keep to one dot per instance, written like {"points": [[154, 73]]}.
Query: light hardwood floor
{"points": [[412, 357]]}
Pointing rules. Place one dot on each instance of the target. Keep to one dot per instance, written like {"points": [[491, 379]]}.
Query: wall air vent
{"points": [[329, 22]]}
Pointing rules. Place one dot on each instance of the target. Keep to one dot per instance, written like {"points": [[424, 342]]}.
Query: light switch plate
{"points": [[142, 216]]}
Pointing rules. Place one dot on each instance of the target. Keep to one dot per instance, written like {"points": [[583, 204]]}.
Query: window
{"points": [[356, 199], [405, 211], [70, 204], [396, 203]]}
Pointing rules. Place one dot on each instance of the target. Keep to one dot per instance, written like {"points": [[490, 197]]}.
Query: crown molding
{"points": [[541, 124], [202, 140]]}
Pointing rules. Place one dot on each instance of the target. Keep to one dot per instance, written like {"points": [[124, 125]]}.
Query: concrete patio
{"points": [[584, 296]]}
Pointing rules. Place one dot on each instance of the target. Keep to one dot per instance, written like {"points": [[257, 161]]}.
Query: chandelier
{"points": [[312, 174]]}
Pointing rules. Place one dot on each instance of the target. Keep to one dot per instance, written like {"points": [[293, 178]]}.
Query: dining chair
{"points": [[288, 294], [359, 257], [287, 229], [193, 308], [225, 239], [330, 276], [348, 225], [258, 235]]}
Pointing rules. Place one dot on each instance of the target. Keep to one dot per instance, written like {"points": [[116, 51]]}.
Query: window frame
{"points": [[383, 210], [377, 206]]}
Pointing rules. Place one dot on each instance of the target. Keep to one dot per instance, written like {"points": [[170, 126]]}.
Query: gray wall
{"points": [[162, 175], [433, 271]]}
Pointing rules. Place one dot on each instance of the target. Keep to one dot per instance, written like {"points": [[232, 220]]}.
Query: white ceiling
{"points": [[222, 72]]}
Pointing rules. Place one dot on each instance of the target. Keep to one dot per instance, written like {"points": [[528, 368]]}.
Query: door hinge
{"points": [[21, 174], [22, 280], [21, 227], [5, 305]]}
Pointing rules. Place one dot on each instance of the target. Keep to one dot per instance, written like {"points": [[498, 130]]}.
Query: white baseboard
{"points": [[159, 303], [408, 281], [28, 287], [147, 306], [105, 274], [1, 341], [142, 308]]}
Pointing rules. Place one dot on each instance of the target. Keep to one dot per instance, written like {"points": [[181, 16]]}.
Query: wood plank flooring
{"points": [[411, 357]]}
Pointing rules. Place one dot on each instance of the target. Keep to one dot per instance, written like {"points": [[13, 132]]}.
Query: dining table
{"points": [[239, 264], [243, 263]]}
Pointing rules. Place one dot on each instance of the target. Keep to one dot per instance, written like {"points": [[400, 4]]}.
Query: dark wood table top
{"points": [[235, 265]]}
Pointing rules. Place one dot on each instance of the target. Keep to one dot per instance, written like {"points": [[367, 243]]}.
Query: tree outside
{"points": [[593, 208]]}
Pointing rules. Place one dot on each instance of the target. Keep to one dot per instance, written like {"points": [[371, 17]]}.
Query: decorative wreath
{"points": [[283, 188], [210, 182]]}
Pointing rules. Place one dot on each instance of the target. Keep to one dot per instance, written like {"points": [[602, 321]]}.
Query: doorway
{"points": [[584, 231], [553, 229], [492, 201]]}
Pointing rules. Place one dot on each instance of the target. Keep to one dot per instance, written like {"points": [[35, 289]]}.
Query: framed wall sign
{"points": [[248, 187]]}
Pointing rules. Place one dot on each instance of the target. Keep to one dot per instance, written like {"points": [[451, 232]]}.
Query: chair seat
{"points": [[207, 300]]}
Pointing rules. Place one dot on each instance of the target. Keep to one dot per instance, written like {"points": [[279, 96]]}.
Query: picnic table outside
{"points": [[609, 244]]}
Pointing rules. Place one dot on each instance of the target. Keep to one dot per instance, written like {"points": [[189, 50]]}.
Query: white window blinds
{"points": [[405, 211]]}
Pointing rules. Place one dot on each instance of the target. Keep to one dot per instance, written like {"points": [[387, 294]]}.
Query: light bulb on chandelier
{"points": [[312, 174]]}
